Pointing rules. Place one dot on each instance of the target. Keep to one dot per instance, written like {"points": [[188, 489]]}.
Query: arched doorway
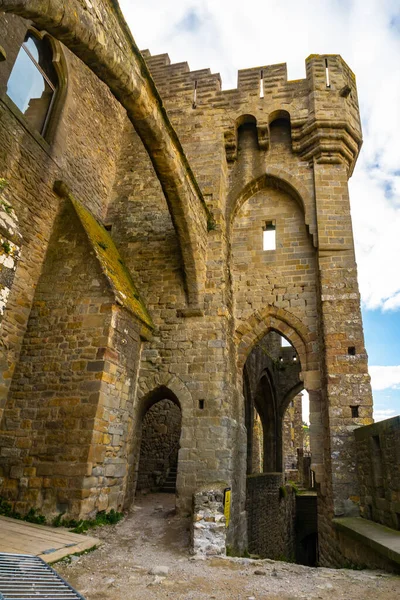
{"points": [[160, 442], [271, 379]]}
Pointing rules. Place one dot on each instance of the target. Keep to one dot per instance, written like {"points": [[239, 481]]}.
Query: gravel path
{"points": [[145, 557]]}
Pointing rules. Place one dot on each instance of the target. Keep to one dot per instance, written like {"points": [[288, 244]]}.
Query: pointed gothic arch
{"points": [[276, 179], [250, 332]]}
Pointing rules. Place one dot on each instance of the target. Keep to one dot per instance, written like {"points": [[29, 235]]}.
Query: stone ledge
{"points": [[381, 539]]}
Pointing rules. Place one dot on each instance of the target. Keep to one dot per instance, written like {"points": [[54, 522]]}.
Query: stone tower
{"points": [[190, 223]]}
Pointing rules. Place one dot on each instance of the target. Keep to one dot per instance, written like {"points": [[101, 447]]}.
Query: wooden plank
{"points": [[89, 544], [19, 537], [56, 536], [31, 545], [25, 525]]}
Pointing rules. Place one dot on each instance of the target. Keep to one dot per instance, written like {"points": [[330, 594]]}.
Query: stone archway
{"points": [[249, 333], [151, 390], [160, 442]]}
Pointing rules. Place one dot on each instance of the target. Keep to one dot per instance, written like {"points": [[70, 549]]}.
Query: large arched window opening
{"points": [[271, 378], [34, 83]]}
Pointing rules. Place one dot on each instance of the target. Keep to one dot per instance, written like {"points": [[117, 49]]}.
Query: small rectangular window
{"points": [[351, 350], [269, 236], [201, 404], [354, 412]]}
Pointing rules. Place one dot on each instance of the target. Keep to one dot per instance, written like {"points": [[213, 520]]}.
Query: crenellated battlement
{"points": [[322, 107]]}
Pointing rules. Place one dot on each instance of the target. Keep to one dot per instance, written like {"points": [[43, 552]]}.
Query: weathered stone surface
{"points": [[271, 517], [208, 526], [378, 466], [161, 432], [77, 373]]}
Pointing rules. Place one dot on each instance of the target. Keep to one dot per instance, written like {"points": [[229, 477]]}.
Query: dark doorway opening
{"points": [[158, 462]]}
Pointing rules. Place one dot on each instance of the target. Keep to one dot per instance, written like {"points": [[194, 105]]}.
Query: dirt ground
{"points": [[146, 557]]}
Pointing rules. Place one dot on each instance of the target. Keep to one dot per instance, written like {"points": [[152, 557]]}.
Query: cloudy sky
{"points": [[227, 35]]}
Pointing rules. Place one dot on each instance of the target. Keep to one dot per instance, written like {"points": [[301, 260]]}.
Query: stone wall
{"points": [[10, 249], [378, 467], [209, 525], [161, 431], [213, 295], [271, 511], [31, 164], [357, 554], [65, 426], [292, 434]]}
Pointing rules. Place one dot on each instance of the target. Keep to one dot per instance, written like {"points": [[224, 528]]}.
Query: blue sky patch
{"points": [[191, 21]]}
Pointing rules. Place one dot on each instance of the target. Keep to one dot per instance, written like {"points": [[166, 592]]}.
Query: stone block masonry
{"points": [[378, 465], [185, 195], [271, 517]]}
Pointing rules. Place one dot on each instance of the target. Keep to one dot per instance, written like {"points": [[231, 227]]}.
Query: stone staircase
{"points": [[169, 485]]}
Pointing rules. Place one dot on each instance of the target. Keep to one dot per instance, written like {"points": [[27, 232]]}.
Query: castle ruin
{"points": [[160, 236]]}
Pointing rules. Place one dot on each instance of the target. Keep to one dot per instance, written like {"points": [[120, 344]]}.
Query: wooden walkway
{"points": [[50, 543]]}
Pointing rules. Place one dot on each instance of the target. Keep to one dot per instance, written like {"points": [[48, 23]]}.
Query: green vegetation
{"points": [[284, 558], [32, 516], [81, 526], [112, 264], [6, 207], [211, 224], [282, 492], [77, 526], [294, 487], [6, 247], [68, 559], [234, 553]]}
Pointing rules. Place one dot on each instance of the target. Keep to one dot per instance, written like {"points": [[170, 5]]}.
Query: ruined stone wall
{"points": [[281, 367], [50, 413], [10, 249], [159, 446], [208, 530], [270, 517], [306, 179], [292, 433], [67, 415], [245, 159], [186, 346], [378, 468], [48, 420], [31, 165]]}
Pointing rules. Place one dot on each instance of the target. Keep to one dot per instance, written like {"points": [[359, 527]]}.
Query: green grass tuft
{"points": [[83, 525]]}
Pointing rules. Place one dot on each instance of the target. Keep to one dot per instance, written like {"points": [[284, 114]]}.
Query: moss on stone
{"points": [[112, 265]]}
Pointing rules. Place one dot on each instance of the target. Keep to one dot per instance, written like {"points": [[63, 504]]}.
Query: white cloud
{"points": [[381, 415], [384, 377], [228, 35]]}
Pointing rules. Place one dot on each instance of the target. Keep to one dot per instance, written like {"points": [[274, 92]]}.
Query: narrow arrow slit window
{"points": [[269, 236]]}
